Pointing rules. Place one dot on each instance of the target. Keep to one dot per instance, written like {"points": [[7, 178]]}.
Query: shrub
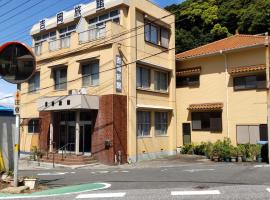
{"points": [[187, 149]]}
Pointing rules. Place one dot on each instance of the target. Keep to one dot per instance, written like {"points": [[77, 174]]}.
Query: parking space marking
{"points": [[191, 193], [101, 195]]}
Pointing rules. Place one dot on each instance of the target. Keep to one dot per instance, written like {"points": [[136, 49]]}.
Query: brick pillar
{"points": [[111, 124]]}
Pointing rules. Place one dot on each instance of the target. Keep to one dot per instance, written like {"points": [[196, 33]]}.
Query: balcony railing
{"points": [[61, 43], [92, 34]]}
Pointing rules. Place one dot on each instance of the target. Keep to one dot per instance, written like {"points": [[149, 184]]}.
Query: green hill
{"points": [[202, 21]]}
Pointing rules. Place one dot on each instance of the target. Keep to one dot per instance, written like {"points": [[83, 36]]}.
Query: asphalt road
{"points": [[188, 181]]}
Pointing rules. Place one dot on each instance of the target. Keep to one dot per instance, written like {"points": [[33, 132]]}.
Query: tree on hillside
{"points": [[202, 21]]}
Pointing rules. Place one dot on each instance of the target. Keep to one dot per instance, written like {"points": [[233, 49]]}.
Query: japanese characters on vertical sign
{"points": [[60, 18], [77, 11], [100, 4], [118, 73], [42, 24]]}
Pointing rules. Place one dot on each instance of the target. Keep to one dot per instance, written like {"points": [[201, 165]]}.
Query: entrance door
{"points": [[186, 133], [85, 138], [67, 137]]}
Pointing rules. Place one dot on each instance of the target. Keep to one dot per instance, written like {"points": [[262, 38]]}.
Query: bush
{"points": [[187, 149]]}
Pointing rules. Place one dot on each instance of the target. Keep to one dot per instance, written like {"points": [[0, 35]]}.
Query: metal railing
{"points": [[66, 148], [61, 43], [92, 34]]}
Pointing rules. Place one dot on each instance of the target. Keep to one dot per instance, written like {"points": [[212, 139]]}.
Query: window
{"points": [[161, 81], [164, 37], [251, 133], [151, 33], [64, 32], [60, 79], [207, 121], [48, 36], [102, 19], [184, 81], [250, 82], [34, 83], [90, 73], [143, 77], [33, 126], [161, 123], [143, 123]]}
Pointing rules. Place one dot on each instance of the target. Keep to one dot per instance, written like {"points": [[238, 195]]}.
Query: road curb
{"points": [[68, 190]]}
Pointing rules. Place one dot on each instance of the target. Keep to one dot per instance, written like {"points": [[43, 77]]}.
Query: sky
{"points": [[18, 16]]}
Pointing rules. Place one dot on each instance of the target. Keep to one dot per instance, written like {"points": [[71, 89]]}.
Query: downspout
{"points": [[267, 64], [227, 91], [136, 57]]}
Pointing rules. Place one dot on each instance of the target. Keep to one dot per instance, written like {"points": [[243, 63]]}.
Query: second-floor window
{"points": [[60, 79], [161, 81], [184, 81], [143, 78], [250, 82], [90, 74], [34, 83]]}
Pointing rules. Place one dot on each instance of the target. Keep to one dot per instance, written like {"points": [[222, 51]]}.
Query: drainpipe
{"points": [[267, 63], [227, 91]]}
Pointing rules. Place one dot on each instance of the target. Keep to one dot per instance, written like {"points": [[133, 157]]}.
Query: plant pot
{"points": [[215, 158], [32, 183], [227, 159], [244, 159], [239, 159], [259, 159], [233, 159], [221, 159]]}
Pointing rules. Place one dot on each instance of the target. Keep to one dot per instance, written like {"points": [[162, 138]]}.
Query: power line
{"points": [[16, 14], [6, 3], [40, 11], [7, 12]]}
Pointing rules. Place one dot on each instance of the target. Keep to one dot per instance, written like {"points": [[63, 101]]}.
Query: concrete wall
{"points": [[7, 128]]}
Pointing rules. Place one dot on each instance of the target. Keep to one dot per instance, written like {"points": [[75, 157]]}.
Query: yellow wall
{"points": [[216, 85]]}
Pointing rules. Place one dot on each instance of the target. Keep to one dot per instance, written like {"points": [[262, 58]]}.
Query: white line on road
{"points": [[268, 189], [101, 195], [190, 193], [198, 170]]}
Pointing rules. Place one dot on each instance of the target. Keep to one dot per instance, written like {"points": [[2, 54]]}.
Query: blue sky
{"points": [[17, 17]]}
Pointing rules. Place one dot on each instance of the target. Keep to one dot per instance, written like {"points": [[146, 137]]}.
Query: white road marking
{"points": [[52, 174], [268, 189], [103, 172], [125, 171], [101, 195], [198, 170], [262, 166], [191, 193]]}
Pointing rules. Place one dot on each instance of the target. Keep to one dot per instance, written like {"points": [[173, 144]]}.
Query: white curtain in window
{"points": [[164, 38], [95, 73], [145, 78]]}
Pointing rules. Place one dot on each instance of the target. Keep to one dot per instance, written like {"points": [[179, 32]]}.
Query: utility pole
{"points": [[267, 63], [17, 134]]}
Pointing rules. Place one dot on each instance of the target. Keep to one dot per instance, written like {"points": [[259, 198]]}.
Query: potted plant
{"points": [[234, 154], [31, 182], [241, 153]]}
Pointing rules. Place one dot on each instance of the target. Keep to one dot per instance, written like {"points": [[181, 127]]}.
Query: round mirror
{"points": [[17, 62]]}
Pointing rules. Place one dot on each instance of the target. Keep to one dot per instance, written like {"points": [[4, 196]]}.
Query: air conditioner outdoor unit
{"points": [[73, 92], [83, 91]]}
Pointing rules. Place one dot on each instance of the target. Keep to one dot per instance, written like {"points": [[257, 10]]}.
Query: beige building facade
{"points": [[222, 91], [105, 82]]}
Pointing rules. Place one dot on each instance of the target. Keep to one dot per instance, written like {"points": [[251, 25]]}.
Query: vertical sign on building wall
{"points": [[118, 74], [60, 18], [77, 11], [42, 24], [100, 4]]}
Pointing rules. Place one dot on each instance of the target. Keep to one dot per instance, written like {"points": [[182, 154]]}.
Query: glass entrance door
{"points": [[67, 137], [85, 138]]}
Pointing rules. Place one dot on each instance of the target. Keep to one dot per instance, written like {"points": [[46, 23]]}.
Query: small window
{"points": [[103, 17], [60, 79], [100, 4], [34, 83], [207, 121], [161, 81], [161, 123], [93, 20], [185, 81], [143, 77], [143, 123], [33, 126], [114, 13], [90, 74], [60, 103], [68, 102], [53, 104]]}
